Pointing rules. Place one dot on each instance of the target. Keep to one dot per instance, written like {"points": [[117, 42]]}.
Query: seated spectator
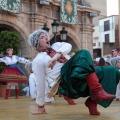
{"points": [[101, 62], [107, 63], [116, 63], [26, 90], [116, 52]]}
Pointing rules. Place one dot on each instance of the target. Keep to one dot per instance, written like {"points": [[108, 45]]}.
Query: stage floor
{"points": [[19, 109]]}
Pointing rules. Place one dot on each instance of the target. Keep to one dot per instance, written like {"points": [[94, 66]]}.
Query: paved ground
{"points": [[19, 109]]}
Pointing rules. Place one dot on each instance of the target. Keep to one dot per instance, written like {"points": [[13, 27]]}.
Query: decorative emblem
{"points": [[69, 7], [10, 5], [68, 12]]}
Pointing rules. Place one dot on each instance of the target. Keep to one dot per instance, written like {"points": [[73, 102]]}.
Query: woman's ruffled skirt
{"points": [[12, 73]]}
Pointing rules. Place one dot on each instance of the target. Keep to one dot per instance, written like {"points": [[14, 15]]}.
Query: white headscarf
{"points": [[113, 61], [28, 66], [33, 38]]}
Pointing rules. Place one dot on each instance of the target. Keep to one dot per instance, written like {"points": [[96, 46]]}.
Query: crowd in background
{"points": [[113, 60]]}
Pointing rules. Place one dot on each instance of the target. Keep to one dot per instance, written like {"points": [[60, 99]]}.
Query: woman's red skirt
{"points": [[12, 74]]}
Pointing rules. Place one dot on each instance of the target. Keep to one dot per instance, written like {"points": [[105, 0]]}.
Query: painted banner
{"points": [[10, 5], [68, 11]]}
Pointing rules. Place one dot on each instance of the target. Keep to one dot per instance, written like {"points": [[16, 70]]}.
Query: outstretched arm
{"points": [[2, 59], [22, 60], [39, 71]]}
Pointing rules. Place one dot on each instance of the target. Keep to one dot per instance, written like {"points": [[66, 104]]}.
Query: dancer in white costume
{"points": [[33, 82], [45, 70]]}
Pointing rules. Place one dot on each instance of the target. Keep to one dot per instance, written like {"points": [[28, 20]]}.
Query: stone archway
{"points": [[25, 49], [69, 40], [72, 38], [23, 52]]}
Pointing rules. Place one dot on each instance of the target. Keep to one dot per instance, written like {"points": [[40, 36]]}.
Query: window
{"points": [[106, 25], [99, 43], [94, 44], [107, 38], [95, 38]]}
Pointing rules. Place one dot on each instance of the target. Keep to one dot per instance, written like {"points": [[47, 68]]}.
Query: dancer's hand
{"points": [[53, 60], [39, 111], [51, 63]]}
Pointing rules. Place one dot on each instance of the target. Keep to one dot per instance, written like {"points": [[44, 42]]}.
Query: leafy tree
{"points": [[8, 39], [73, 52]]}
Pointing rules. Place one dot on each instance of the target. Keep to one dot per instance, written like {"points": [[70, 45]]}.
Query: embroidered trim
{"points": [[41, 106], [51, 52]]}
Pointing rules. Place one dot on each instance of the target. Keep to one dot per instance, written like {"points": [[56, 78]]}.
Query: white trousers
{"points": [[118, 90], [47, 90], [32, 85]]}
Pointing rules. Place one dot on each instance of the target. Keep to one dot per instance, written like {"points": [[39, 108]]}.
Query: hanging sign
{"points": [[10, 5], [68, 11]]}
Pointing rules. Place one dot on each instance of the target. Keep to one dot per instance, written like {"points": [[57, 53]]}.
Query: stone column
{"points": [[86, 32]]}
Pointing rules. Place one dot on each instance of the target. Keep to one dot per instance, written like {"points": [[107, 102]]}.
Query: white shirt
{"points": [[32, 78], [13, 60], [42, 72], [27, 90]]}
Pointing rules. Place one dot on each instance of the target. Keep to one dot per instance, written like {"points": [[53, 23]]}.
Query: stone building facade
{"points": [[119, 19], [34, 15]]}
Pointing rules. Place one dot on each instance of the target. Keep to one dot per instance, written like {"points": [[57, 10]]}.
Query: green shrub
{"points": [[8, 39]]}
